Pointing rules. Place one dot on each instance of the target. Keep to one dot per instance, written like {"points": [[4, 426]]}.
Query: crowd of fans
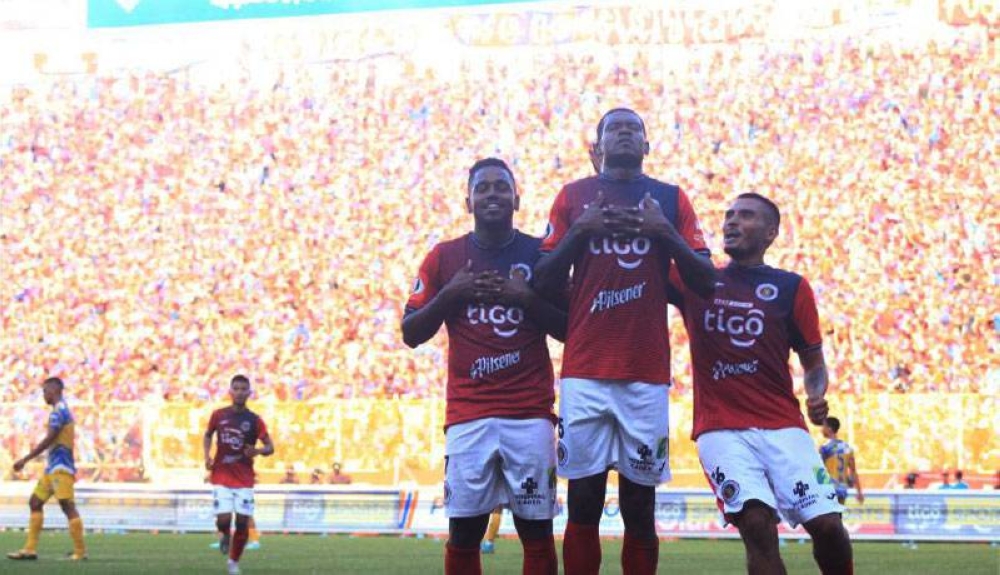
{"points": [[161, 234]]}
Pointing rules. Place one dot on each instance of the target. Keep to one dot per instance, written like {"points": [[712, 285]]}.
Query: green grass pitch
{"points": [[188, 554]]}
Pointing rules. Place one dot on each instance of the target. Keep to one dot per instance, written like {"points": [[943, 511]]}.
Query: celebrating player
{"points": [[751, 437], [238, 430], [838, 456], [623, 234], [500, 444], [59, 477]]}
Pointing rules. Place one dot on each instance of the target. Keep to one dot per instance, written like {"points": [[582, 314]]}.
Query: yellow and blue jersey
{"points": [[838, 457], [61, 452]]}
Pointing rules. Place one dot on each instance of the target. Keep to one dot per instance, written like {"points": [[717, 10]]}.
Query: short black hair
{"points": [[56, 381], [489, 163], [604, 119], [833, 423], [773, 207], [239, 377]]}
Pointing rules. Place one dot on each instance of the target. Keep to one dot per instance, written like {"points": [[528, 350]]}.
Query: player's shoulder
{"points": [[527, 240], [451, 245], [581, 188]]}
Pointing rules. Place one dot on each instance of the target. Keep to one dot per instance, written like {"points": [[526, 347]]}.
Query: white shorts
{"points": [[606, 424], [779, 467], [233, 500], [498, 461]]}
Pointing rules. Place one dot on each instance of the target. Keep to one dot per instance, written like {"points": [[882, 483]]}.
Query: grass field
{"points": [[189, 555]]}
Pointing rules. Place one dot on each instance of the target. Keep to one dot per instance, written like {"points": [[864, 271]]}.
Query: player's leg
{"points": [[63, 486], [643, 422], [529, 471], [244, 508], [831, 544], [539, 546], [224, 502], [489, 541], [254, 540], [586, 451], [806, 495], [472, 489], [758, 528], [744, 494], [36, 503]]}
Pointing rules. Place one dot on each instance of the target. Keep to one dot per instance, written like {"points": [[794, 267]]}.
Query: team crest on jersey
{"points": [[767, 292], [729, 490], [520, 270], [418, 286], [245, 426]]}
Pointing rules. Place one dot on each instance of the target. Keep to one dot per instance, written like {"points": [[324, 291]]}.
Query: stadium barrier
{"points": [[886, 515]]}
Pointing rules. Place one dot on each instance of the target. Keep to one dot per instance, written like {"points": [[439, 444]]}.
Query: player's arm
{"points": [[683, 243], [552, 270], [207, 441], [807, 342], [856, 478], [267, 447], [422, 322], [50, 438], [816, 381]]}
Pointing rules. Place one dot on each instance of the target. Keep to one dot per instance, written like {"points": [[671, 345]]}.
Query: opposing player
{"points": [[60, 474], [748, 426], [500, 444], [838, 456], [238, 430], [623, 234]]}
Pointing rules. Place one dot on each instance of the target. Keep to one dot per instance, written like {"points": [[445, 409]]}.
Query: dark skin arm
{"points": [[516, 292], [268, 449], [47, 442], [463, 287], [695, 270]]}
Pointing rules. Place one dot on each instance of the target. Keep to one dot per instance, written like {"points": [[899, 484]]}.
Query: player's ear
{"points": [[517, 200], [468, 201], [645, 148]]}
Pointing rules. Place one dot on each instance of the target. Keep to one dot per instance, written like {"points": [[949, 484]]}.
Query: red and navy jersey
{"points": [[741, 337], [618, 292], [498, 361], [235, 431]]}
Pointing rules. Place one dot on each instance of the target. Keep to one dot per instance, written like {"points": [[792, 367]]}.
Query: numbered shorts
{"points": [[606, 424], [233, 500], [58, 483], [779, 467], [496, 461]]}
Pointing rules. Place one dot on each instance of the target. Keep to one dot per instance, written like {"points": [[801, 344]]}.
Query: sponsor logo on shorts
{"points": [[822, 477], [805, 499], [662, 446], [562, 453], [645, 460], [612, 298], [718, 476], [722, 370], [729, 490], [530, 494], [489, 365]]}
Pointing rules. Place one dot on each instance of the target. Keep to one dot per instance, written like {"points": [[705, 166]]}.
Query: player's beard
{"points": [[623, 161]]}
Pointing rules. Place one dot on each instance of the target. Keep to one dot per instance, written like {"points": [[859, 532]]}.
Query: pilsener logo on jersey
{"points": [[504, 320], [488, 365], [628, 252], [611, 298]]}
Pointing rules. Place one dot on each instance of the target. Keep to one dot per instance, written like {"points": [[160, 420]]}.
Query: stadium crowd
{"points": [[160, 234]]}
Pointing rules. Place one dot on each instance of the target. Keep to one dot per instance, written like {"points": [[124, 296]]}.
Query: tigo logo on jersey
{"points": [[742, 329], [623, 249], [503, 319]]}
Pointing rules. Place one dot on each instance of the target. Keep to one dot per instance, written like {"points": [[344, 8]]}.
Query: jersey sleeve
{"points": [[805, 319], [261, 429], [213, 422], [57, 419], [688, 226], [428, 282], [559, 222]]}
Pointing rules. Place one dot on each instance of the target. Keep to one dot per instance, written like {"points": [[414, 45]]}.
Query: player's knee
{"points": [[467, 532], [757, 525], [586, 499], [242, 522], [826, 527], [222, 522], [35, 504], [68, 507], [533, 529], [637, 503]]}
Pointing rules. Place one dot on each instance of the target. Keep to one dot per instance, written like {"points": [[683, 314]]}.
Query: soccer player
{"points": [[838, 456], [499, 436], [623, 234], [60, 472], [751, 437], [489, 541], [238, 431]]}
